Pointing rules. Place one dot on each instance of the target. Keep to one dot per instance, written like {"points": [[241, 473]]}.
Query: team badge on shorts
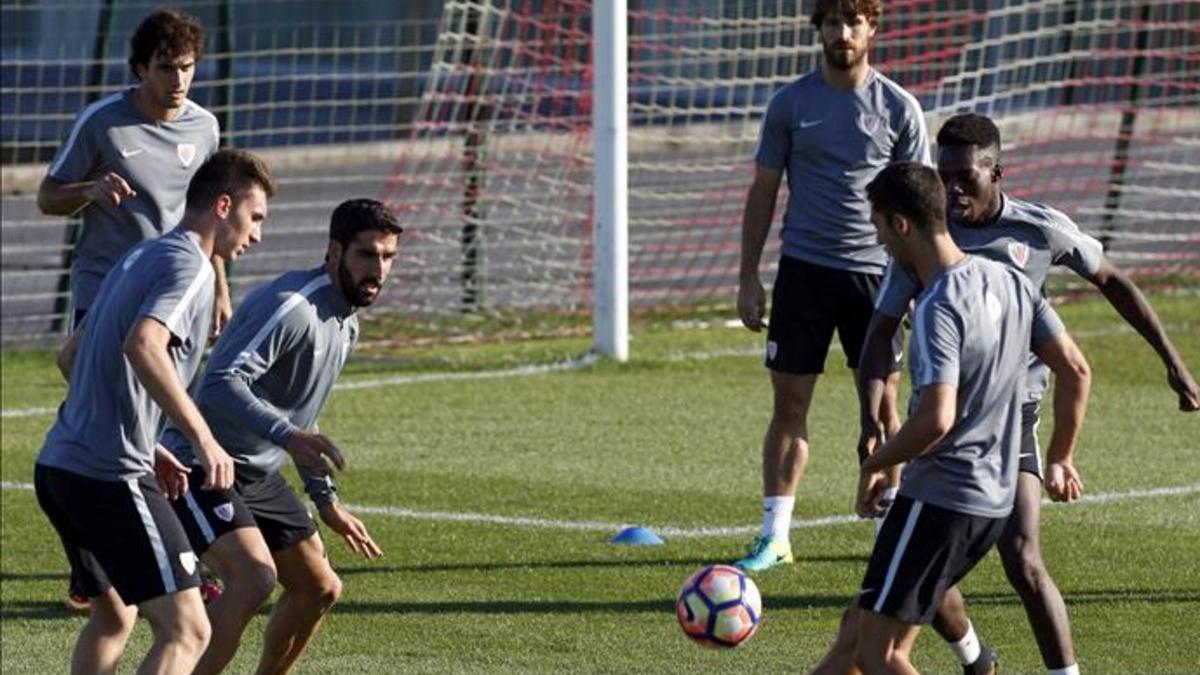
{"points": [[224, 511], [1019, 252], [772, 350], [186, 153], [188, 560]]}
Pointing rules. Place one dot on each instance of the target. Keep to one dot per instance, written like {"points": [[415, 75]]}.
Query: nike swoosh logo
{"points": [[1026, 454], [804, 124], [865, 591], [130, 153]]}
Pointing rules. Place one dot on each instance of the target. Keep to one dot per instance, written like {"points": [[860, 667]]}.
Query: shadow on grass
{"points": [[594, 563]]}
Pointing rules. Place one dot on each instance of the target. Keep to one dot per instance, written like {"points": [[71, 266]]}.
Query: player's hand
{"points": [[870, 438], [217, 465], [1184, 384], [109, 189], [352, 530], [1063, 483], [752, 303], [868, 503], [170, 474], [316, 452]]}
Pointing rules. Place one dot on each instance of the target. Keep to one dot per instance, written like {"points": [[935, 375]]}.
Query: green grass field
{"points": [[670, 439]]}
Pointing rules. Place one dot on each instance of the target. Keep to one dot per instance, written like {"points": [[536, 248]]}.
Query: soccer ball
{"points": [[719, 606]]}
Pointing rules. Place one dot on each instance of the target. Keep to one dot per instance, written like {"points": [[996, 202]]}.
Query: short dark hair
{"points": [[169, 31], [969, 129], [359, 215], [871, 9], [228, 172], [911, 189]]}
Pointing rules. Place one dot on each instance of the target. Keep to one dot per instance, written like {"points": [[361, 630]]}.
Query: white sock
{"points": [[777, 517], [967, 649], [1072, 669]]}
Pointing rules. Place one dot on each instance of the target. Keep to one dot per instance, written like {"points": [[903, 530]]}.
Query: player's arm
{"points": [[874, 367], [146, 347], [932, 420], [756, 225], [1072, 384], [222, 301], [65, 359], [58, 198], [1124, 295]]}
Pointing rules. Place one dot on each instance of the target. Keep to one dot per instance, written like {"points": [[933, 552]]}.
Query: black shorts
{"points": [[1030, 460], [269, 504], [117, 534], [921, 551], [808, 303]]}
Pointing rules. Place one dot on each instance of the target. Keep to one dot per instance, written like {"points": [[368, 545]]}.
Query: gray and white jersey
{"points": [[272, 371], [832, 143], [107, 427], [1027, 236], [973, 329], [157, 159]]}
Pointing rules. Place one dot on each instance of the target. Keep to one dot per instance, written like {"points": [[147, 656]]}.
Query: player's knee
{"points": [[253, 585], [329, 591], [189, 632], [1023, 564]]}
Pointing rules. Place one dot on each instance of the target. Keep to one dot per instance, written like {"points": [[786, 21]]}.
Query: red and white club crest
{"points": [[871, 123], [186, 152], [1019, 252]]}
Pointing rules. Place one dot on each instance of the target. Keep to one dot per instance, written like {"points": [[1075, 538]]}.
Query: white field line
{"points": [[562, 366], [670, 531]]}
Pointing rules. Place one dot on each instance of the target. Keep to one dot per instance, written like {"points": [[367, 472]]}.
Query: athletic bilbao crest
{"points": [[772, 350], [871, 123], [224, 511], [186, 152], [1019, 252], [187, 560]]}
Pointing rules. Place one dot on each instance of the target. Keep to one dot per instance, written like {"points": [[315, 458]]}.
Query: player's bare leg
{"points": [[181, 632], [102, 641], [243, 562], [839, 660], [1021, 554], [784, 456], [884, 643], [310, 589]]}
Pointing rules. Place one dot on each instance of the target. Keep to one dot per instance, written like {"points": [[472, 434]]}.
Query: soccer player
{"points": [[264, 387], [127, 163], [96, 473], [832, 130], [1030, 238], [973, 327]]}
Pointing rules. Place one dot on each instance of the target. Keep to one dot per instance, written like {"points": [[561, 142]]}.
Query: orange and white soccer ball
{"points": [[719, 606]]}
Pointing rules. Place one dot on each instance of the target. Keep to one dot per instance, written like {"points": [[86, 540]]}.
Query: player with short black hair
{"points": [[1029, 237], [264, 387], [973, 327], [97, 473], [830, 131]]}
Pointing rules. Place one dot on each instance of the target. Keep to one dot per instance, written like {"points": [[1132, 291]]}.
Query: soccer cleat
{"points": [[986, 664], [765, 553]]}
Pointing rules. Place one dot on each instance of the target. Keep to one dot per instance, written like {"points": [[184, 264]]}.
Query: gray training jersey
{"points": [[1029, 237], [271, 373], [832, 143], [973, 329], [107, 427], [157, 159]]}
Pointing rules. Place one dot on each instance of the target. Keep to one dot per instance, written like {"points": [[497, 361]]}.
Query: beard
{"points": [[357, 294], [842, 60]]}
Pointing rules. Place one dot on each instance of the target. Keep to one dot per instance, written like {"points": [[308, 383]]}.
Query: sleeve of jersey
{"points": [[896, 291], [913, 144], [228, 388], [1046, 322], [1073, 248], [177, 287], [77, 157], [937, 334], [774, 139]]}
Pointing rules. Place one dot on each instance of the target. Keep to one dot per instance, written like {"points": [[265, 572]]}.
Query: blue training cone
{"points": [[637, 536]]}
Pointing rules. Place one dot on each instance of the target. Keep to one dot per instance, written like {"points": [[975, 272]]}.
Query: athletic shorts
{"points": [[117, 534], [921, 551], [1031, 456], [269, 504], [808, 303]]}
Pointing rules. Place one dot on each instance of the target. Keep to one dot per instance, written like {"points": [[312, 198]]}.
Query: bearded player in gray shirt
{"points": [[831, 131], [1030, 238], [973, 327], [264, 387]]}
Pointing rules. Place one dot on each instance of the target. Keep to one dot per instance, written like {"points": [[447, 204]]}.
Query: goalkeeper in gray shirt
{"points": [[265, 385], [973, 327]]}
